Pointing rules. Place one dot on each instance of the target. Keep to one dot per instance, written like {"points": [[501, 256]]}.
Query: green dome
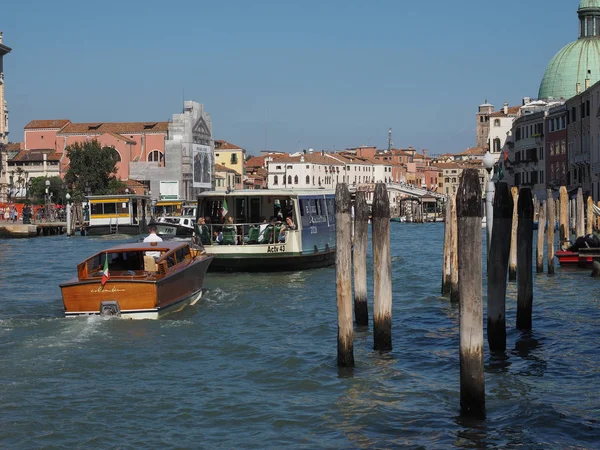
{"points": [[569, 67], [589, 4], [578, 60]]}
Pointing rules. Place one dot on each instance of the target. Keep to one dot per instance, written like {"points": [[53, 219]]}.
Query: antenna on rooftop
{"points": [[389, 140]]}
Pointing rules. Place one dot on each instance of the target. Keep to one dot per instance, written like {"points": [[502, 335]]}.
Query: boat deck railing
{"points": [[245, 234]]}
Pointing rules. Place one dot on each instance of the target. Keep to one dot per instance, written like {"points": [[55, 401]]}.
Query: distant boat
{"points": [[170, 226], [118, 214], [124, 281]]}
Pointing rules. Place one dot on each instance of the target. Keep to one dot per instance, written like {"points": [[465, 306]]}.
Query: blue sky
{"points": [[321, 74]]}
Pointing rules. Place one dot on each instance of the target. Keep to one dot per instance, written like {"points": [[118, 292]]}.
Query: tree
{"points": [[37, 191], [92, 166]]}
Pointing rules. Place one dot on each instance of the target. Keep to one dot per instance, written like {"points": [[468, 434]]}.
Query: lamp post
{"points": [[488, 163], [69, 229], [47, 198]]}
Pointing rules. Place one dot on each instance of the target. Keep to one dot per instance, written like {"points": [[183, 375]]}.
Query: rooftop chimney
{"points": [[587, 80], [0, 37], [310, 150], [578, 88], [505, 109]]}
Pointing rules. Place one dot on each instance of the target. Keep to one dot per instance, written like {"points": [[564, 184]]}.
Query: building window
{"points": [[289, 179], [234, 158], [307, 179], [496, 122], [296, 179], [118, 155], [275, 180], [497, 145], [156, 156]]}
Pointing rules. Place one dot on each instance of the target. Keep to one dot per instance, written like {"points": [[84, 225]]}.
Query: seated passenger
{"points": [[217, 237]]}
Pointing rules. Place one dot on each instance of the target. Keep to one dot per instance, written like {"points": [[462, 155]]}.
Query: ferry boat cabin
{"points": [[118, 214], [264, 230]]}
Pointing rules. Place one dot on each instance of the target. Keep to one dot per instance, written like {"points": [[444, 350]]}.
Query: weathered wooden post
{"points": [[550, 207], [447, 269], [454, 294], [564, 218], [382, 270], [361, 232], [69, 227], [468, 211], [539, 254], [343, 255], [512, 266], [589, 223], [524, 260], [497, 267], [580, 214]]}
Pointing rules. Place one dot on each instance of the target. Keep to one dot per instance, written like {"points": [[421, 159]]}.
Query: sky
{"points": [[283, 75]]}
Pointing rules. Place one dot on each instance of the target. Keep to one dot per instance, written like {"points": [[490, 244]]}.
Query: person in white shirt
{"points": [[153, 237]]}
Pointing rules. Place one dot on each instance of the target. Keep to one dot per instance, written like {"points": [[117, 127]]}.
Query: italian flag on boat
{"points": [[224, 212], [105, 274]]}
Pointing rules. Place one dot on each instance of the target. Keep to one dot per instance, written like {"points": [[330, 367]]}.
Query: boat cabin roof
{"points": [[115, 197], [165, 246], [267, 193]]}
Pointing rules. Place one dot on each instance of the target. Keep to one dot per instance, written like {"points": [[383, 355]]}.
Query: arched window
{"points": [[156, 156], [497, 145], [296, 179], [275, 180], [496, 122], [289, 179], [117, 154], [307, 179]]}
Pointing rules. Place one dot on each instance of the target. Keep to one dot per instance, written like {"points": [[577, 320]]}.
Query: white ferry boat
{"points": [[260, 238]]}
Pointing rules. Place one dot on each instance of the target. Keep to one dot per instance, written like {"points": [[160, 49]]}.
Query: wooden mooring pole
{"points": [[524, 260], [497, 267], [589, 223], [447, 269], [468, 211], [550, 207], [382, 270], [580, 216], [361, 234], [564, 218], [454, 295], [512, 266], [539, 250], [343, 255]]}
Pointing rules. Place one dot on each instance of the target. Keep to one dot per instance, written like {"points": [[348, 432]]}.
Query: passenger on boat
{"points": [[201, 232], [289, 226], [153, 237], [217, 237]]}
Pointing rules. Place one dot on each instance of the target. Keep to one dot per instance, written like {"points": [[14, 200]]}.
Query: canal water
{"points": [[253, 364]]}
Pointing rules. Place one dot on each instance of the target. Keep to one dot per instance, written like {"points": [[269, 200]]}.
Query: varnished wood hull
{"points": [[136, 298]]}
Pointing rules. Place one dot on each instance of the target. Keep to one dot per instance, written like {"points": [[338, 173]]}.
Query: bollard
{"points": [[512, 266], [361, 232], [446, 270], [343, 255], [564, 218], [580, 216], [524, 260], [589, 223], [454, 295], [468, 212], [550, 208], [382, 270], [539, 251], [497, 268]]}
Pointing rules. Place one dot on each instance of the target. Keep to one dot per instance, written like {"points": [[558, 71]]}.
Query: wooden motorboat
{"points": [[129, 282]]}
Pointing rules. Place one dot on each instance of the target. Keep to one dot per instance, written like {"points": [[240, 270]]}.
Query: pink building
{"points": [[133, 141]]}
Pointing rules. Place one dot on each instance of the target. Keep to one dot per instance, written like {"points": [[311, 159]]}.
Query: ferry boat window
{"points": [[97, 209], [110, 208], [255, 210], [302, 207], [319, 207], [123, 208], [240, 210]]}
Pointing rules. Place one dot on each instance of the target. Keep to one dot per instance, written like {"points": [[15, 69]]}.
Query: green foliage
{"points": [[91, 166], [37, 191]]}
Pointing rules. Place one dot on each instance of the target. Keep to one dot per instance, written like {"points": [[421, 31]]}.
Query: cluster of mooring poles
{"points": [[382, 268], [510, 252]]}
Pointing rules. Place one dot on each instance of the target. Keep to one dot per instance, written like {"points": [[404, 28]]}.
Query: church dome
{"points": [[578, 60]]}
